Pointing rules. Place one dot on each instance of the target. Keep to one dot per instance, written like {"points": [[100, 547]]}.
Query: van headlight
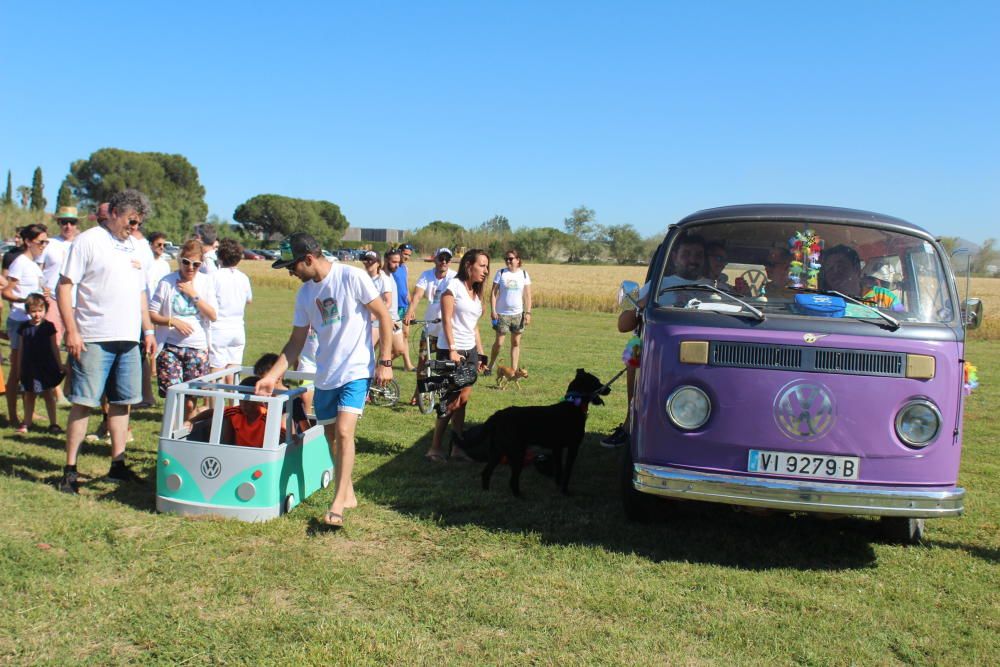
{"points": [[918, 423], [688, 407]]}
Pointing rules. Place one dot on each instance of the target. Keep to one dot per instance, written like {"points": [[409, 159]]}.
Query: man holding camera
{"points": [[336, 301]]}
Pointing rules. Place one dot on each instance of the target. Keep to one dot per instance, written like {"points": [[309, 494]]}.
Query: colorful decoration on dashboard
{"points": [[632, 352], [806, 248]]}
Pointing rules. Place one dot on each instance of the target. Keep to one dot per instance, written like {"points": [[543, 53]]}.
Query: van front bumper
{"points": [[796, 495]]}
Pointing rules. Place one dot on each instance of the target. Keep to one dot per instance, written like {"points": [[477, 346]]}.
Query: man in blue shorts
{"points": [[337, 302]]}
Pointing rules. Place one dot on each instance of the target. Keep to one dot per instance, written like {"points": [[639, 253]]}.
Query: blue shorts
{"points": [[348, 397], [113, 368]]}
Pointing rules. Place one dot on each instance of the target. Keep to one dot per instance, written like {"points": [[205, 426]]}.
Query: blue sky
{"points": [[403, 113]]}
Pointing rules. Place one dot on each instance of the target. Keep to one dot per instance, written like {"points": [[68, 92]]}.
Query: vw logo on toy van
{"points": [[804, 410], [211, 467]]}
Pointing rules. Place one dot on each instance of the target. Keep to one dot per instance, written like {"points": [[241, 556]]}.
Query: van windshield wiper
{"points": [[888, 318], [757, 314]]}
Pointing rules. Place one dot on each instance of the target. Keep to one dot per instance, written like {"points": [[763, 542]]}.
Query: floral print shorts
{"points": [[179, 364]]}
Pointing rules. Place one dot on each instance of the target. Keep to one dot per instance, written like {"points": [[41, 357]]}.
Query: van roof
{"points": [[803, 212]]}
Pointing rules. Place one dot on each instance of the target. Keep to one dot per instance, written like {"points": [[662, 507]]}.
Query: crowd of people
{"points": [[94, 316]]}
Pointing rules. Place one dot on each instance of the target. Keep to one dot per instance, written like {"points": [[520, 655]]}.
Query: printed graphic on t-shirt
{"points": [[328, 310], [182, 306]]}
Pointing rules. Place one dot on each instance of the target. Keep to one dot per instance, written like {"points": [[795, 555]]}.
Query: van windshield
{"points": [[806, 270]]}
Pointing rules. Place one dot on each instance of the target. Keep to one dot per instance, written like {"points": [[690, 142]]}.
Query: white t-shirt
{"points": [[510, 298], [307, 357], [53, 259], [168, 301], [155, 273], [468, 310], [335, 308], [232, 294], [389, 286], [433, 287], [29, 277], [209, 261], [669, 281], [110, 281]]}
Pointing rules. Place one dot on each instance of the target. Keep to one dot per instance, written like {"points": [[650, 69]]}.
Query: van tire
{"points": [[289, 502], [638, 506], [902, 529]]}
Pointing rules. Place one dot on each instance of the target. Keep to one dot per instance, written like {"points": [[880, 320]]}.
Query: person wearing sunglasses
{"points": [[510, 308], [52, 261], [23, 278], [431, 282], [103, 330], [185, 302]]}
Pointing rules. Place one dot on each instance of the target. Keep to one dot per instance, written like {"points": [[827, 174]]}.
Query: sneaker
{"points": [[617, 438], [100, 434], [122, 473], [21, 429], [70, 483]]}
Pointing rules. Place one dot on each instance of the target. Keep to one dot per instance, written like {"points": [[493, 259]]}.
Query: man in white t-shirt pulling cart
{"points": [[336, 301]]}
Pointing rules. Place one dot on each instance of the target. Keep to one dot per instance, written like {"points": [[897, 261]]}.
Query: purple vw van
{"points": [[800, 358]]}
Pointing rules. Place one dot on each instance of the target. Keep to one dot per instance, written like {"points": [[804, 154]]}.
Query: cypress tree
{"points": [[8, 197], [65, 197], [37, 191]]}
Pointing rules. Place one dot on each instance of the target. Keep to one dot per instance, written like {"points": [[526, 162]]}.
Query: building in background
{"points": [[373, 234]]}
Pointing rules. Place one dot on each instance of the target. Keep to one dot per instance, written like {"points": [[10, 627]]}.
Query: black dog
{"points": [[557, 427]]}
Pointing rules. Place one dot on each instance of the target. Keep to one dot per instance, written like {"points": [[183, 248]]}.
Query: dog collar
{"points": [[576, 399]]}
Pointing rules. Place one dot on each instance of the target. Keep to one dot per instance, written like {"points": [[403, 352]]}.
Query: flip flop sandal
{"points": [[333, 520], [436, 458]]}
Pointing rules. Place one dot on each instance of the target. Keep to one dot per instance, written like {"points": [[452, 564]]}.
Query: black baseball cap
{"points": [[295, 247]]}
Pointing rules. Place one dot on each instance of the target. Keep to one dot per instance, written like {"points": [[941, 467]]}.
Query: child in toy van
{"points": [[242, 424]]}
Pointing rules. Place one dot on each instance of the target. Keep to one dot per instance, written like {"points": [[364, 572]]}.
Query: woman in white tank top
{"points": [[461, 308]]}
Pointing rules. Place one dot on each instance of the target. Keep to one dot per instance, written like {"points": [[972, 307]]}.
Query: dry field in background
{"points": [[594, 288]]}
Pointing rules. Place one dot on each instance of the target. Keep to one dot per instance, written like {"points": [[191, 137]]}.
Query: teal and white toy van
{"points": [[195, 477]]}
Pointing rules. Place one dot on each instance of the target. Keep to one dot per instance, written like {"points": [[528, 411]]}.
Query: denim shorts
{"points": [[348, 397], [14, 333], [111, 367]]}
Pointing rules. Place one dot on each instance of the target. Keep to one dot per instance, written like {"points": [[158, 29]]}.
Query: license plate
{"points": [[804, 465]]}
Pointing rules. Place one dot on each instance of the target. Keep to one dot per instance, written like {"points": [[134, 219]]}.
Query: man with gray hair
{"points": [[102, 331], [209, 237]]}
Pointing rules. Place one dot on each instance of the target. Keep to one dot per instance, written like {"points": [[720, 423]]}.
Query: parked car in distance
{"points": [[250, 254], [171, 250], [330, 256], [267, 254]]}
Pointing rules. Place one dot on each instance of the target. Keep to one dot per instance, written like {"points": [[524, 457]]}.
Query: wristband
{"points": [[148, 332]]}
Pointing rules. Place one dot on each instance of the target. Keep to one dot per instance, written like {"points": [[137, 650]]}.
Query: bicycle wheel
{"points": [[425, 401], [386, 396]]}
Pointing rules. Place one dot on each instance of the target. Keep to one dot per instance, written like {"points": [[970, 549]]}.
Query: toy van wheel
{"points": [[325, 480], [289, 502], [902, 530]]}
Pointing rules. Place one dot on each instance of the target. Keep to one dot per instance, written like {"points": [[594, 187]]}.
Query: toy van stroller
{"points": [[201, 476]]}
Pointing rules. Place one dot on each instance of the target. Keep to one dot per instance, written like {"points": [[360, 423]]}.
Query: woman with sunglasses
{"points": [[431, 282], [185, 303], [510, 308], [461, 308], [23, 278]]}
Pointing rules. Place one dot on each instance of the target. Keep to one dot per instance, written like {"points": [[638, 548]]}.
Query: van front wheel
{"points": [[902, 529], [637, 505]]}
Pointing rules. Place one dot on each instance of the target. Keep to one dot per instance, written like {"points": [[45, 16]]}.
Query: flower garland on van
{"points": [[806, 248]]}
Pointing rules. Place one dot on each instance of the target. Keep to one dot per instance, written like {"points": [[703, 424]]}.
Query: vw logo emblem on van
{"points": [[812, 338], [804, 410], [211, 467]]}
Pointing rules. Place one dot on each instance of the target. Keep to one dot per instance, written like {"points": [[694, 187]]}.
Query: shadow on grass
{"points": [[987, 554], [29, 468], [450, 494]]}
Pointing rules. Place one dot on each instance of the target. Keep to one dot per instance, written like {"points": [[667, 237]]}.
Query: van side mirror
{"points": [[629, 291], [972, 313]]}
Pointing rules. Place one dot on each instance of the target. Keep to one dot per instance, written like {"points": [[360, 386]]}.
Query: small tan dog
{"points": [[506, 374]]}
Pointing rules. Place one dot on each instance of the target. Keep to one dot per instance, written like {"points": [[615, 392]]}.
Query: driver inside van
{"points": [[841, 271], [686, 267]]}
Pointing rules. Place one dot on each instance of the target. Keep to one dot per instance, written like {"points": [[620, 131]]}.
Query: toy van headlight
{"points": [[688, 407], [918, 423]]}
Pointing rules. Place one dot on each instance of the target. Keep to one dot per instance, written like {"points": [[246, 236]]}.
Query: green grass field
{"points": [[430, 569]]}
